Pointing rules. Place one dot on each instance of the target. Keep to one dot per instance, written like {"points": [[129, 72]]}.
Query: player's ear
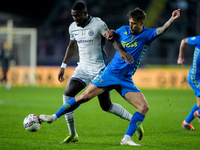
{"points": [[142, 23], [85, 13]]}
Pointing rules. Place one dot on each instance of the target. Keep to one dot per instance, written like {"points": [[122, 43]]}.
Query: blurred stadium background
{"points": [[38, 32]]}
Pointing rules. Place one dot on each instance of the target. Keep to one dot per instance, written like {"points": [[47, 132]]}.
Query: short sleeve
{"points": [[152, 34], [193, 40], [118, 32], [102, 26], [71, 35]]}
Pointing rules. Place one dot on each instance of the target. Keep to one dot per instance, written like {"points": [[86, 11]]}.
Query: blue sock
{"points": [[70, 105], [190, 117], [134, 123]]}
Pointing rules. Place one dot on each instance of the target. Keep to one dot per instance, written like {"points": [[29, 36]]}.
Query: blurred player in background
{"points": [[86, 33], [5, 57], [193, 77], [136, 40]]}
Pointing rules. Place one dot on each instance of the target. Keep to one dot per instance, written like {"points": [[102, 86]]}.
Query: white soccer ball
{"points": [[32, 123]]}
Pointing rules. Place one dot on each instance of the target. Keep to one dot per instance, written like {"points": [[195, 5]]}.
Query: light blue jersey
{"points": [[135, 45], [194, 73]]}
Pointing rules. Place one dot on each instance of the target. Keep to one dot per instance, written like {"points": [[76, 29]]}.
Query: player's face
{"points": [[80, 17], [135, 26]]}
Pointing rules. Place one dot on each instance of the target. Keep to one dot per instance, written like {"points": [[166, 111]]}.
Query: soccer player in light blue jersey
{"points": [[135, 40], [193, 77]]}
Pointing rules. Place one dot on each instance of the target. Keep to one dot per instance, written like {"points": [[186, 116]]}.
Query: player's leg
{"points": [[197, 112], [73, 87], [5, 71], [73, 103], [186, 123], [118, 110], [108, 106], [138, 100]]}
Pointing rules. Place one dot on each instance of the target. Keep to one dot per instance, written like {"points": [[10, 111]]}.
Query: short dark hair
{"points": [[137, 14], [79, 6]]}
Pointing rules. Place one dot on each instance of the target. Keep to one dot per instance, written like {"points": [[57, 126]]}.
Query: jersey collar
{"points": [[89, 20], [129, 30]]}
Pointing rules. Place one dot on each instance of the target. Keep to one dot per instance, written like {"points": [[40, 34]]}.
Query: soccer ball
{"points": [[32, 123]]}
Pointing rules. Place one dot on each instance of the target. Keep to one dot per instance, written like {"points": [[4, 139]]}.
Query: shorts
{"points": [[111, 81], [194, 82], [83, 75]]}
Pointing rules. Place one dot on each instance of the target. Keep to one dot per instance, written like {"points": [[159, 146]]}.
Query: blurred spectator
{"points": [[5, 57]]}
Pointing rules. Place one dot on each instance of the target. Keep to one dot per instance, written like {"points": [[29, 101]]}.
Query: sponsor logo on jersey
{"points": [[85, 41], [129, 44]]}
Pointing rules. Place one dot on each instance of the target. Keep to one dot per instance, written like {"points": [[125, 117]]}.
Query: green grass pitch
{"points": [[97, 130]]}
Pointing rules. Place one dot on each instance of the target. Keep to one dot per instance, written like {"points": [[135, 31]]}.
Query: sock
{"points": [[54, 117], [190, 117], [69, 106], [120, 111], [134, 123], [69, 117]]}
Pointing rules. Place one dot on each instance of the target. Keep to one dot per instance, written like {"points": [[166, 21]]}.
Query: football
{"points": [[32, 123]]}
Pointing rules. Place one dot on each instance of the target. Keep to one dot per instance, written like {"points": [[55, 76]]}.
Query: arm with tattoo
{"points": [[169, 23]]}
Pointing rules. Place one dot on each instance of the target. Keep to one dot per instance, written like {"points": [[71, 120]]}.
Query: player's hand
{"points": [[126, 57], [109, 34], [180, 61], [176, 14], [60, 75]]}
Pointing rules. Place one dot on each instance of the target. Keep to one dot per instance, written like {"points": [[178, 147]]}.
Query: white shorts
{"points": [[83, 75]]}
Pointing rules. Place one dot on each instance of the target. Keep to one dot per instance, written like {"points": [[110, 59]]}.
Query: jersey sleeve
{"points": [[117, 33], [71, 35], [193, 40], [151, 34], [102, 26]]}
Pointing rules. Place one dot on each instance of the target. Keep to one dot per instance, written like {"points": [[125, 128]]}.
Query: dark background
{"points": [[52, 18]]}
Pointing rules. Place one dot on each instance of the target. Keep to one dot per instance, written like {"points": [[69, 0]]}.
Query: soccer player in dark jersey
{"points": [[135, 40], [193, 77]]}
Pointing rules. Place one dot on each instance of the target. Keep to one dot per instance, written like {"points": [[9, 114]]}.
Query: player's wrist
{"points": [[63, 65]]}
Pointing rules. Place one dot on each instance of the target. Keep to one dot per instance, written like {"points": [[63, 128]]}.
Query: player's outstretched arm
{"points": [[180, 60], [169, 23], [68, 55]]}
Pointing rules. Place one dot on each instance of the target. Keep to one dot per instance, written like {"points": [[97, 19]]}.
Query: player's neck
{"points": [[87, 21]]}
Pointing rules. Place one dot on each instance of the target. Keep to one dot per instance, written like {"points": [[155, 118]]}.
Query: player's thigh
{"points": [[198, 102], [138, 100], [89, 93], [104, 100], [73, 87], [78, 81]]}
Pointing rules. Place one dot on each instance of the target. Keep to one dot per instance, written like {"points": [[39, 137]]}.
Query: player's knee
{"points": [[105, 108], [144, 108], [70, 93]]}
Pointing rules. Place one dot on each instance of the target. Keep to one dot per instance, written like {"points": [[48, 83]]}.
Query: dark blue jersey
{"points": [[135, 45]]}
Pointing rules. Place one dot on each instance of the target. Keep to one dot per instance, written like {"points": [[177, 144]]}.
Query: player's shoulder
{"points": [[97, 19], [124, 28], [194, 38], [72, 26]]}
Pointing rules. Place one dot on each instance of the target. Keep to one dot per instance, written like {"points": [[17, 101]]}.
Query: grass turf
{"points": [[96, 129]]}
